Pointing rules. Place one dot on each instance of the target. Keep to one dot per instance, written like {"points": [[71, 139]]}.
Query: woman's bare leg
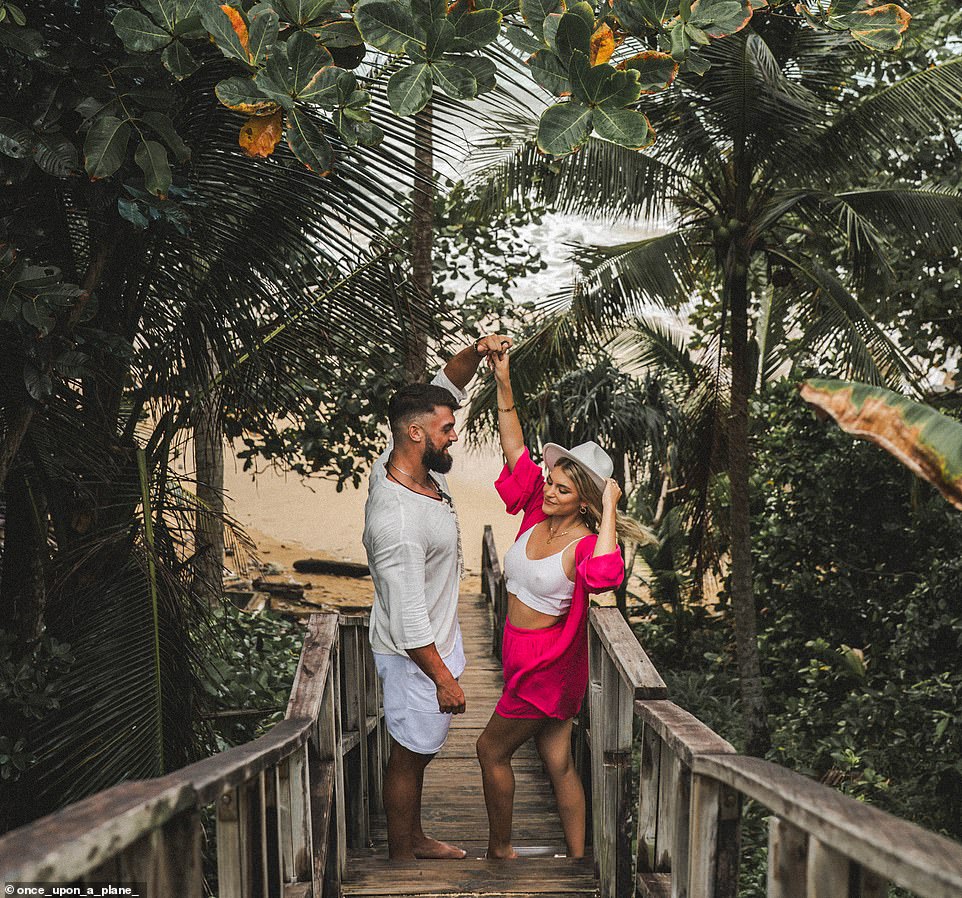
{"points": [[501, 738], [554, 746]]}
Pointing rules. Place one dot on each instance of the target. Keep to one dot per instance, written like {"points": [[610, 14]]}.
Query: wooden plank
{"points": [[827, 871], [629, 657], [654, 885], [231, 859], [299, 793], [308, 690], [684, 734], [871, 885], [787, 854], [531, 876], [648, 791], [298, 890], [703, 837], [909, 856], [64, 846], [178, 863], [680, 824]]}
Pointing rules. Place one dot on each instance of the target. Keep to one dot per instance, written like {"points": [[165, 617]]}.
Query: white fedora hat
{"points": [[589, 456]]}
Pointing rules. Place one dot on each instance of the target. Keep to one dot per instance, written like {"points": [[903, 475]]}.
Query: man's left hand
{"points": [[493, 343]]}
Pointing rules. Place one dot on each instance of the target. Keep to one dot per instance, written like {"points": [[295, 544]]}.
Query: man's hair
{"points": [[416, 399]]}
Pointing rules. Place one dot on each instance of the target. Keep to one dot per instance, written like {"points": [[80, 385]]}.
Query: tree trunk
{"points": [[422, 237], [209, 467], [743, 602], [621, 591]]}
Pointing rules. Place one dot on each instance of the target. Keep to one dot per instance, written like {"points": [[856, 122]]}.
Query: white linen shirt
{"points": [[412, 550]]}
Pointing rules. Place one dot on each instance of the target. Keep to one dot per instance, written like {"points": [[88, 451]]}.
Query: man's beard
{"points": [[435, 459]]}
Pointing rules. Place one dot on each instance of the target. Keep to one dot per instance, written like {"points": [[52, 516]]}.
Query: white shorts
{"points": [[411, 709]]}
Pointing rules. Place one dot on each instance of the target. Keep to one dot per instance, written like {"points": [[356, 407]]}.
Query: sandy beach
{"points": [[290, 518]]}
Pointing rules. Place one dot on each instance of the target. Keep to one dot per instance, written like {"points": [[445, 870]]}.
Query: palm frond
{"points": [[625, 280], [890, 121], [833, 320], [602, 179]]}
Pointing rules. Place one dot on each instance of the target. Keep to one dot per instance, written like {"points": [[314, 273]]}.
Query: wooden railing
{"points": [[684, 815], [287, 806]]}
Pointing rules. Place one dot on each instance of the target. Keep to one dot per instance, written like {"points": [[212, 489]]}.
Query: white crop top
{"points": [[539, 583]]}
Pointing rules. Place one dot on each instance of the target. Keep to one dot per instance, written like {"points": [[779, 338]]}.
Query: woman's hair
{"points": [[625, 528]]}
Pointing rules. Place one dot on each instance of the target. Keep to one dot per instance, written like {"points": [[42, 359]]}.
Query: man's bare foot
{"points": [[432, 849], [501, 854]]}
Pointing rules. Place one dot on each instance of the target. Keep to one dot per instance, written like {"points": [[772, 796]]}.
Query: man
{"points": [[413, 548]]}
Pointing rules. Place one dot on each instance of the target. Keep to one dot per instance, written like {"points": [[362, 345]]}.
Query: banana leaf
{"points": [[927, 442]]}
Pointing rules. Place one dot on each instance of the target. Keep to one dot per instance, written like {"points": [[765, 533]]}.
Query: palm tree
{"points": [[261, 271], [770, 169]]}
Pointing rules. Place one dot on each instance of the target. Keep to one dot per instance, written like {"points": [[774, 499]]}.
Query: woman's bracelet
{"points": [[510, 408]]}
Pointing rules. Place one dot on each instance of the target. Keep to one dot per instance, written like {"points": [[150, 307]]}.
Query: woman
{"points": [[566, 547]]}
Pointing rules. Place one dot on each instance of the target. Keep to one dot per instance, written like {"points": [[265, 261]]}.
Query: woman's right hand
{"points": [[499, 364]]}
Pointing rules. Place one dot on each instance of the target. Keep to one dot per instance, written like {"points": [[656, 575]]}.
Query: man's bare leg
{"points": [[501, 738], [403, 784]]}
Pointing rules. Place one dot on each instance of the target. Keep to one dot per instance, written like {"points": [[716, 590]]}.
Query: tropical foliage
{"points": [[776, 213]]}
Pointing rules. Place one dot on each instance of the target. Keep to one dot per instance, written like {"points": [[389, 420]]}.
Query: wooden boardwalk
{"points": [[454, 807]]}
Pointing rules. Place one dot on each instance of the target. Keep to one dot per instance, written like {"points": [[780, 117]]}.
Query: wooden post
{"points": [[703, 837], [231, 863], [679, 823], [285, 824], [649, 787], [787, 852], [355, 710], [827, 871], [871, 885], [178, 867], [596, 714]]}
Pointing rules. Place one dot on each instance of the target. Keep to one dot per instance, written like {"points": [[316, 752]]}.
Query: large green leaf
{"points": [[105, 146], [481, 67], [308, 142], [409, 89], [522, 40], [439, 39], [178, 60], [878, 27], [387, 25], [718, 18], [625, 127], [164, 127], [303, 11], [56, 155], [324, 88], [152, 159], [455, 80], [564, 127], [139, 33], [477, 29], [338, 34], [306, 57], [263, 32], [927, 442], [573, 34], [550, 73], [536, 11], [655, 70], [638, 16], [244, 95]]}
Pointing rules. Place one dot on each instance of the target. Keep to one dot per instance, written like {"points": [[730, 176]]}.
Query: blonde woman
{"points": [[567, 547]]}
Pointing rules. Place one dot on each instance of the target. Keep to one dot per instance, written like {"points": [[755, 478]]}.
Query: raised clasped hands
{"points": [[493, 344]]}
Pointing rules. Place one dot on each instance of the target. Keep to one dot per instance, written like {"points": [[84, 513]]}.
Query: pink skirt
{"points": [[534, 688]]}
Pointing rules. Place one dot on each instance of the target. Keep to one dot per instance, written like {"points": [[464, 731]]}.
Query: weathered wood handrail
{"points": [[281, 802], [691, 784]]}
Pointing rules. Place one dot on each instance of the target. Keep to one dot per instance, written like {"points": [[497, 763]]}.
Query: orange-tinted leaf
{"points": [[925, 441], [261, 134], [656, 70], [879, 27], [239, 25], [602, 44]]}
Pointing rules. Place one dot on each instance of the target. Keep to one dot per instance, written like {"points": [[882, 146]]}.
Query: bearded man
{"points": [[413, 546]]}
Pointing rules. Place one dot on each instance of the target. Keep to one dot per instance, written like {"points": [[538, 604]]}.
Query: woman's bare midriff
{"points": [[520, 615]]}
